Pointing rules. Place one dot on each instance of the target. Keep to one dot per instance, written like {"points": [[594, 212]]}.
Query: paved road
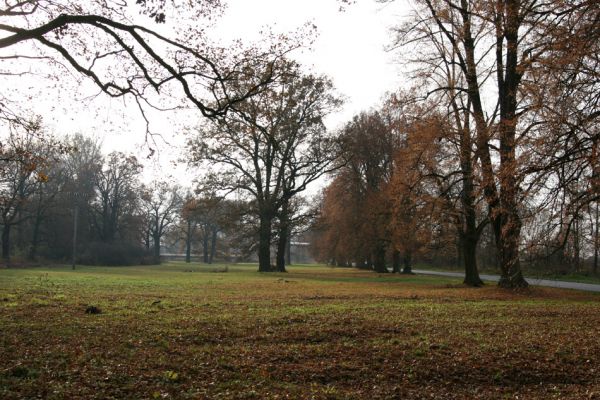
{"points": [[532, 281]]}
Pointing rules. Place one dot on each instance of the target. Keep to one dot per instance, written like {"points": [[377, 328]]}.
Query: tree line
{"points": [[491, 148], [72, 203], [496, 138]]}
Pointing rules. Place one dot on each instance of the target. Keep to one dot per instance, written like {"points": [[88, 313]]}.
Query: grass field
{"points": [[190, 331]]}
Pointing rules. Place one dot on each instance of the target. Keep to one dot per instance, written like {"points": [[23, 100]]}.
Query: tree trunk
{"points": [[35, 238], [205, 246], [470, 256], [6, 243], [213, 245], [188, 242], [156, 240], [288, 250], [264, 244], [379, 264], [281, 246], [407, 263], [396, 261], [596, 239]]}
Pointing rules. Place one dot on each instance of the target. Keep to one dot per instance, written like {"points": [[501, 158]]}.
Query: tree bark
{"points": [[205, 246], [379, 264], [470, 256], [6, 243], [213, 245], [288, 250], [188, 242], [264, 244], [283, 237], [156, 240], [35, 238], [407, 263], [596, 239], [396, 261], [281, 247]]}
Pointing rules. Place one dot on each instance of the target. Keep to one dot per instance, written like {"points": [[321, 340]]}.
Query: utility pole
{"points": [[75, 219]]}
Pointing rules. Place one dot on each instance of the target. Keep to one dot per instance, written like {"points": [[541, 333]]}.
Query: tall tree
{"points": [[273, 146], [22, 172], [117, 189], [505, 49]]}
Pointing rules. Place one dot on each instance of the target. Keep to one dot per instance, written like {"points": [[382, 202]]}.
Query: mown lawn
{"points": [[191, 331]]}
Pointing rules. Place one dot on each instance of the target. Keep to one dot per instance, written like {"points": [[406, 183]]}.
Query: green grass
{"points": [[193, 331]]}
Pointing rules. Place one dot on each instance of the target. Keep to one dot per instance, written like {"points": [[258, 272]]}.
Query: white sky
{"points": [[349, 48]]}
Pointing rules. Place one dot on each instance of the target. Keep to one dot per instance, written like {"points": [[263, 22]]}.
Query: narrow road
{"points": [[589, 287]]}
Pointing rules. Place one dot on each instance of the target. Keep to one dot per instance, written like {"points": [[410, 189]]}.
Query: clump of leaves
{"points": [[171, 376]]}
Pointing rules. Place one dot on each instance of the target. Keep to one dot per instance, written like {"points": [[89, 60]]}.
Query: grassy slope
{"points": [[179, 331]]}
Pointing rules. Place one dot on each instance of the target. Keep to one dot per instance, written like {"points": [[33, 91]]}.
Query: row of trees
{"points": [[501, 132], [55, 197], [92, 38]]}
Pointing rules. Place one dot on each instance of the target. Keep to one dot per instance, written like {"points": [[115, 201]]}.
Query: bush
{"points": [[113, 254]]}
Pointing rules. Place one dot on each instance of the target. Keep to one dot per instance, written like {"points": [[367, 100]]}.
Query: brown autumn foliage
{"points": [[385, 202]]}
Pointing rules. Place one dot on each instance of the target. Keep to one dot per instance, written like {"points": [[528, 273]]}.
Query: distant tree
{"points": [[23, 170], [160, 204], [189, 224], [117, 191], [355, 215]]}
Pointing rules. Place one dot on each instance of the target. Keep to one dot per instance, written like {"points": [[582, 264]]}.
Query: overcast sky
{"points": [[350, 48]]}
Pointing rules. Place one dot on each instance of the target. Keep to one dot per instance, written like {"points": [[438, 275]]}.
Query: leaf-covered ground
{"points": [[179, 331]]}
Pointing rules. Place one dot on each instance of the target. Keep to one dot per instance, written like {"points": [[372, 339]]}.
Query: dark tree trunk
{"points": [[205, 246], [379, 264], [396, 262], [288, 250], [470, 255], [596, 239], [459, 251], [284, 228], [281, 246], [507, 244], [188, 242], [6, 243], [407, 263], [213, 245], [35, 238], [156, 240], [468, 234], [264, 243]]}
